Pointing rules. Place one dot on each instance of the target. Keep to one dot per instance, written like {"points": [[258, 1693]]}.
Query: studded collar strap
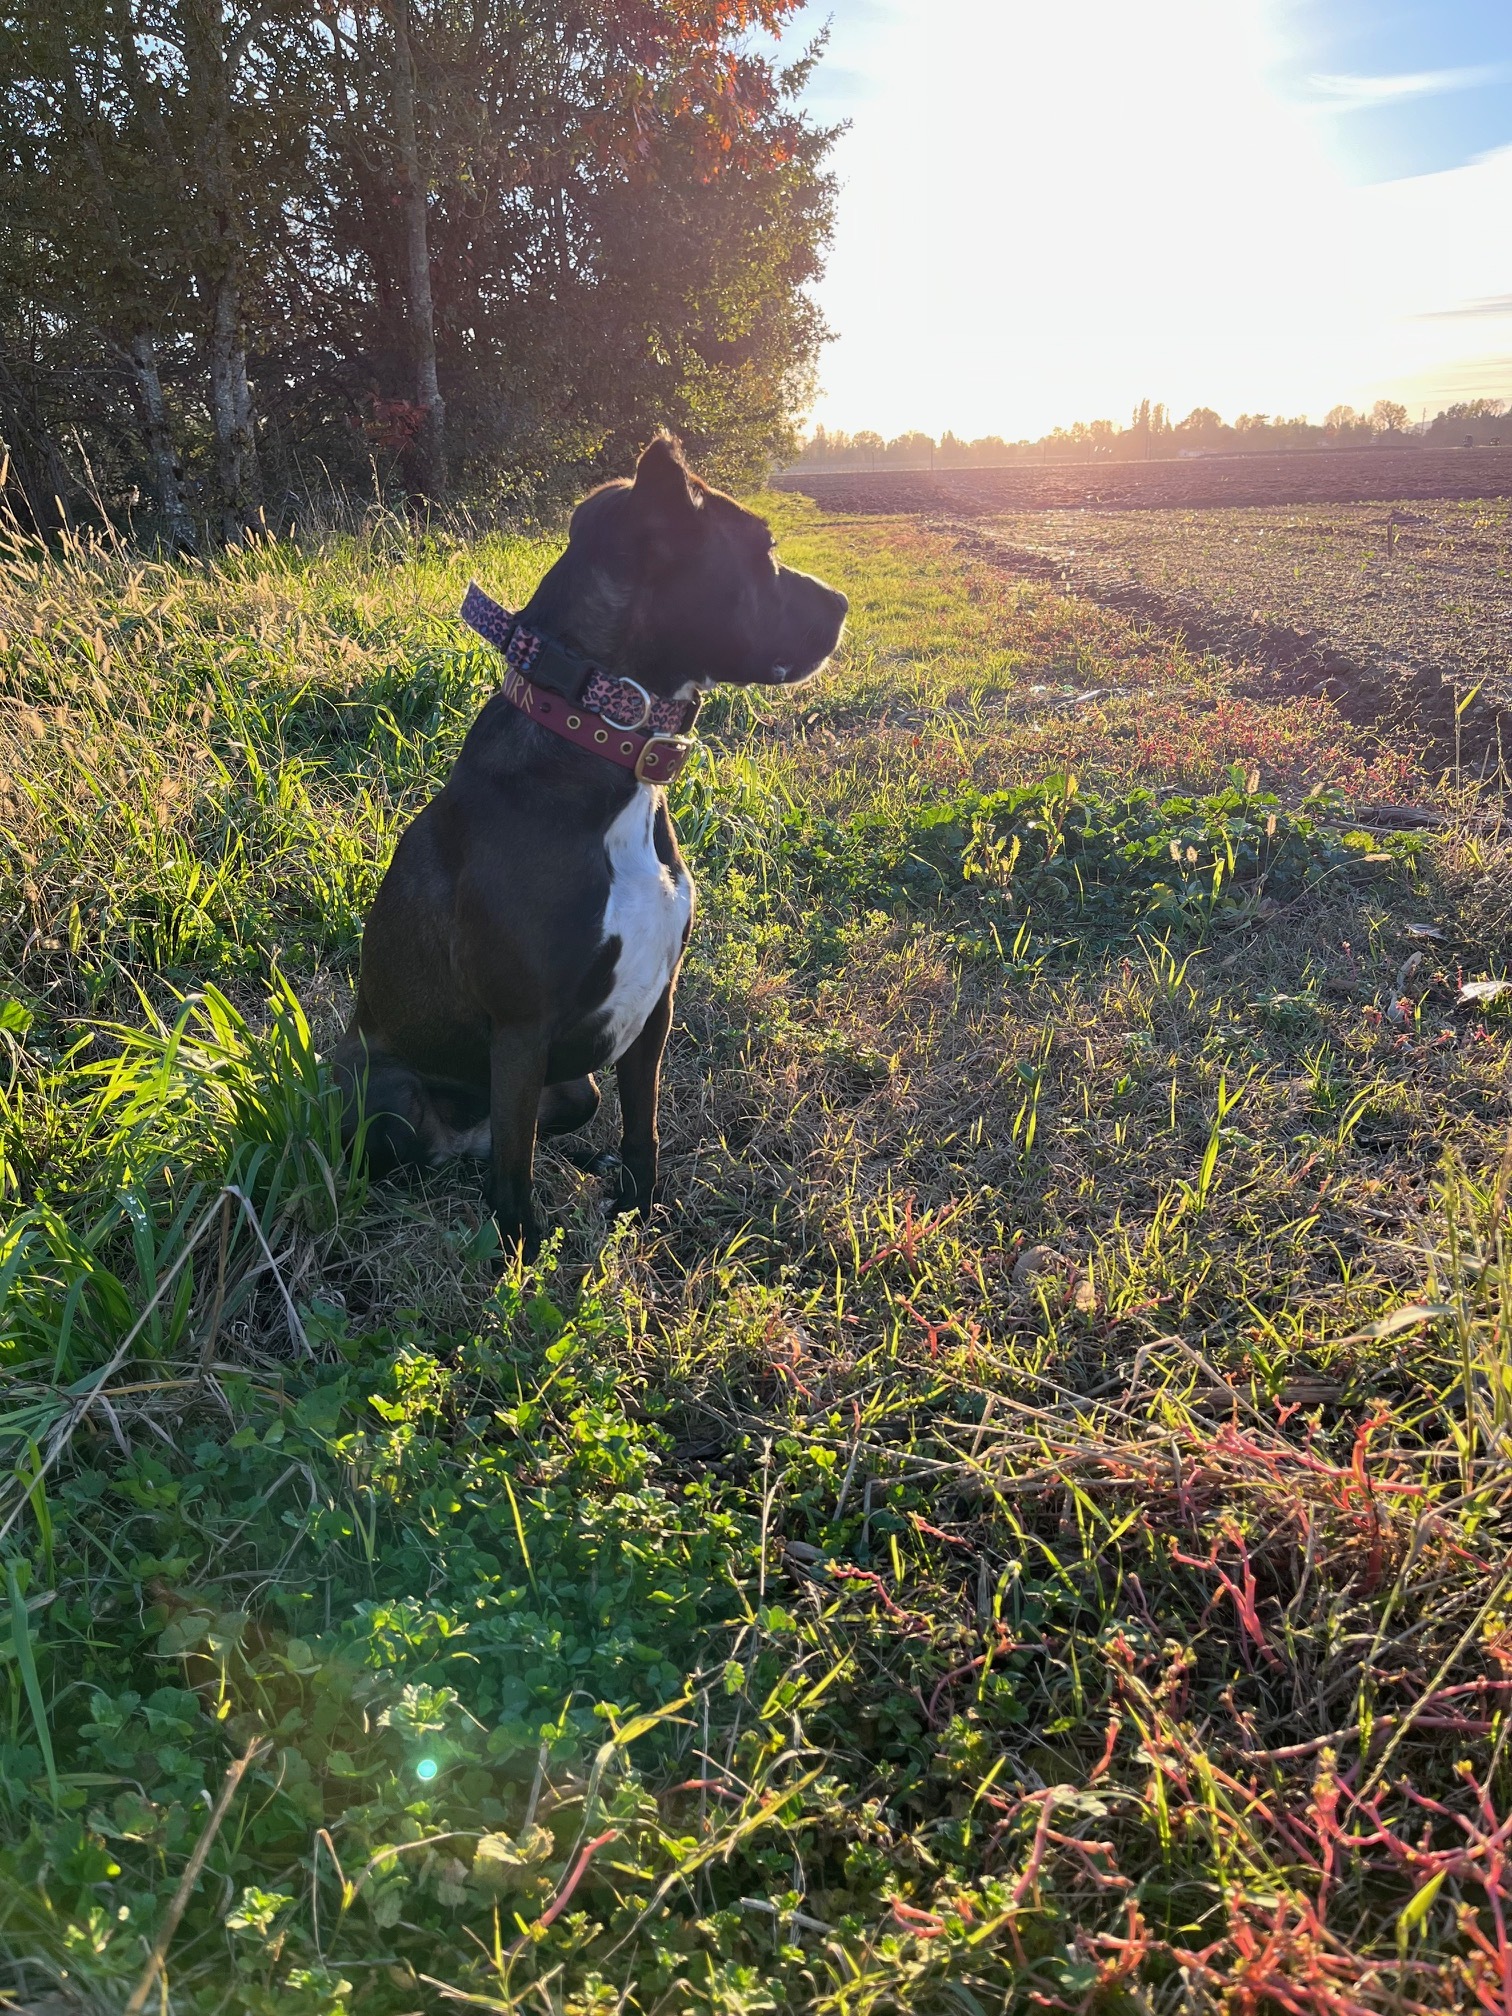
{"points": [[621, 702], [654, 759]]}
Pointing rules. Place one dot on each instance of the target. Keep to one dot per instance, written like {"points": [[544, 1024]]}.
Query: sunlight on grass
{"points": [[1028, 1526]]}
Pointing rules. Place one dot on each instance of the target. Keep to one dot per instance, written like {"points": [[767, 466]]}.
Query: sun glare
{"points": [[1051, 213]]}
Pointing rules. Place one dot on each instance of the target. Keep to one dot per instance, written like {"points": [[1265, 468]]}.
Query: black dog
{"points": [[529, 929]]}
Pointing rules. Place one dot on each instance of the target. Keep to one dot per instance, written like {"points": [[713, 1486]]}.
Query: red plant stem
{"points": [[1115, 1723], [563, 1897], [923, 1924], [1243, 1598], [934, 1532], [908, 1242], [1457, 1725], [1003, 1646], [1085, 1850], [1037, 1848], [867, 1575], [931, 1713]]}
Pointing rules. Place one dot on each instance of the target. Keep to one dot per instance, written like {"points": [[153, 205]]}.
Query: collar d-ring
{"points": [[628, 727]]}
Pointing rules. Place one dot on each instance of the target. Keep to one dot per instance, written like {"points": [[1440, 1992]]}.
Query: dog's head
{"points": [[675, 584]]}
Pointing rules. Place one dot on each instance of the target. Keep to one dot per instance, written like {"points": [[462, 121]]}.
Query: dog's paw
{"points": [[630, 1200], [520, 1239], [638, 1188]]}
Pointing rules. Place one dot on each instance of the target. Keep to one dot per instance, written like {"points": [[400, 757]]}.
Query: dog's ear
{"points": [[663, 483]]}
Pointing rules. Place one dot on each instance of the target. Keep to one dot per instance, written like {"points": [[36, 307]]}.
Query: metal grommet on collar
{"points": [[601, 734], [574, 720]]}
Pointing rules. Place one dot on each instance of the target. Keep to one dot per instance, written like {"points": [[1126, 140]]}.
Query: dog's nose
{"points": [[841, 602]]}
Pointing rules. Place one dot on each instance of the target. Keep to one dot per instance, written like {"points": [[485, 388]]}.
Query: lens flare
{"points": [[426, 1769]]}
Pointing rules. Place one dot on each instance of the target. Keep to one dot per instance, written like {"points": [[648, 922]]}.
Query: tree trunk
{"points": [[34, 465], [157, 438], [430, 443], [231, 411], [246, 434], [128, 283]]}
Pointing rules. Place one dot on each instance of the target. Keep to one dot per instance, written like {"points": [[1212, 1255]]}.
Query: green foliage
{"points": [[1050, 850], [206, 773]]}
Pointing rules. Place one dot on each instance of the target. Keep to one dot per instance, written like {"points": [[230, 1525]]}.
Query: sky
{"points": [[1051, 209]]}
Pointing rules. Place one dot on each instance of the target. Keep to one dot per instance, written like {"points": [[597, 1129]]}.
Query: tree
{"points": [[914, 450], [131, 223], [93, 225], [173, 135], [1341, 421], [616, 212], [1388, 417], [485, 244], [431, 434]]}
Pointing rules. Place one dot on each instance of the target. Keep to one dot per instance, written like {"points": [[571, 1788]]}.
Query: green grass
{"points": [[1028, 1527]]}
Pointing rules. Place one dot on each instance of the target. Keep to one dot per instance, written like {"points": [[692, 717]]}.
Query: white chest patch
{"points": [[648, 911]]}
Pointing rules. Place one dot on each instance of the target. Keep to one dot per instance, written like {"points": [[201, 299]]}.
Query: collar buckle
{"points": [[662, 757]]}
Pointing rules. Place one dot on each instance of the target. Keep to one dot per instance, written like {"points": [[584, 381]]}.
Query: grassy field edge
{"points": [[1028, 1528]]}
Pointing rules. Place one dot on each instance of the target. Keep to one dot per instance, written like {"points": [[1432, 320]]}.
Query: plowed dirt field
{"points": [[1382, 578], [1333, 476]]}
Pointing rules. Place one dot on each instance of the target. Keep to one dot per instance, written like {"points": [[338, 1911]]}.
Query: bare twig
{"points": [[191, 1875], [63, 1433], [295, 1325], [212, 1328]]}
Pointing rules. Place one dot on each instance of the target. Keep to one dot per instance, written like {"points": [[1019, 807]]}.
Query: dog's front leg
{"points": [[639, 1074], [517, 1077]]}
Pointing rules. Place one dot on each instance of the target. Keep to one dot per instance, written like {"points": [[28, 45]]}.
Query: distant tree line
{"points": [[1151, 435], [254, 252]]}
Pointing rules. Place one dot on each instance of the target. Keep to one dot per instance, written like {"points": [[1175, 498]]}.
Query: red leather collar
{"points": [[581, 701], [654, 759]]}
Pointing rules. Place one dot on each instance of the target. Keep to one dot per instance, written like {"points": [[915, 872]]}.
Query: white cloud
{"points": [[1496, 306], [1362, 94]]}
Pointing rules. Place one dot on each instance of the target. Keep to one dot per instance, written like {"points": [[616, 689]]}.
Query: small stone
{"points": [[1037, 1260]]}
